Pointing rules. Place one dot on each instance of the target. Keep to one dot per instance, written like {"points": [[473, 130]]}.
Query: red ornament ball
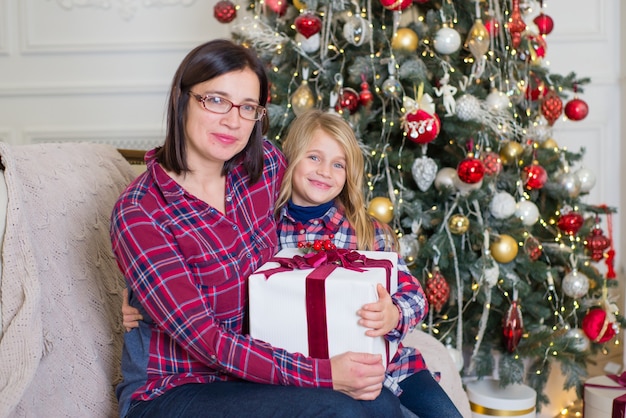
{"points": [[224, 11], [422, 127], [277, 6], [596, 243], [576, 109], [349, 100], [570, 222], [492, 163], [597, 326], [308, 24], [551, 107], [396, 4], [471, 170], [544, 23], [437, 290], [534, 176], [365, 96]]}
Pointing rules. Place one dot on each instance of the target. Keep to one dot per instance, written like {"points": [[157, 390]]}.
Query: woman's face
{"points": [[319, 177], [213, 138]]}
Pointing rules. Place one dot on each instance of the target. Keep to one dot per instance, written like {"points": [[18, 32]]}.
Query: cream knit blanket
{"points": [[60, 287]]}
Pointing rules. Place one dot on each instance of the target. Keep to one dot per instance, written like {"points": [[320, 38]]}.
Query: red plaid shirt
{"points": [[409, 297], [188, 264]]}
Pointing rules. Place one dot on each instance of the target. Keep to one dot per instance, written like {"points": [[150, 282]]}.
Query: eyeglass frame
{"points": [[202, 100]]}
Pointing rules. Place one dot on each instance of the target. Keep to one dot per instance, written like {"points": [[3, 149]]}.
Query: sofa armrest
{"points": [[438, 359]]}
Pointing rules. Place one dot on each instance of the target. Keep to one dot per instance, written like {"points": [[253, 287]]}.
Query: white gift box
{"points": [[278, 306], [602, 395], [488, 399]]}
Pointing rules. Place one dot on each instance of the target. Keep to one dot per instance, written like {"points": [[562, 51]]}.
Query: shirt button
{"points": [[235, 227], [302, 231], [248, 255], [229, 198], [316, 222]]}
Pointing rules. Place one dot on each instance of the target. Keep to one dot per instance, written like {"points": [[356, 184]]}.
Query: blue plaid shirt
{"points": [[410, 297]]}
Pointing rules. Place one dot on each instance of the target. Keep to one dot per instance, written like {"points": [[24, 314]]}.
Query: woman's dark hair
{"points": [[203, 63]]}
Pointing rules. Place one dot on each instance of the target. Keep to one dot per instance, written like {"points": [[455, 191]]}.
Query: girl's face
{"points": [[213, 137], [320, 176]]}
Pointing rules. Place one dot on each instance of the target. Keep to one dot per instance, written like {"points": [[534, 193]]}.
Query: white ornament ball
{"points": [[447, 41], [468, 107], [356, 30], [570, 183], [497, 100], [539, 131], [409, 248], [575, 284], [502, 205], [445, 178], [308, 45], [587, 179], [578, 340], [527, 211], [466, 188], [392, 88]]}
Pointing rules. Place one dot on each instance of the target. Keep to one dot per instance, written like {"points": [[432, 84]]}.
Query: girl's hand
{"points": [[131, 316], [381, 316]]}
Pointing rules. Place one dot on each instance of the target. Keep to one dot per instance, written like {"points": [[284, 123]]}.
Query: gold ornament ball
{"points": [[405, 39], [510, 152], [549, 143], [504, 249], [302, 99], [381, 208], [459, 224]]}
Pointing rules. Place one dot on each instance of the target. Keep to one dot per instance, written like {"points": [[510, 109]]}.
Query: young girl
{"points": [[321, 198]]}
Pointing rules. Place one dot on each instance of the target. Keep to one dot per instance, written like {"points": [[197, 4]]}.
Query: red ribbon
{"points": [[323, 264], [619, 403], [610, 255]]}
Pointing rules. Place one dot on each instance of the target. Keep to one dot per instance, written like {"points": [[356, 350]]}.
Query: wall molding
{"points": [[4, 27], [84, 89], [109, 33], [130, 138]]}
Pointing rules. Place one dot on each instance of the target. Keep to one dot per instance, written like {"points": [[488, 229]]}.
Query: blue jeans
{"points": [[245, 399], [423, 396]]}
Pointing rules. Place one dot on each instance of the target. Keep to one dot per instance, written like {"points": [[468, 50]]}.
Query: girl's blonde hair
{"points": [[296, 143]]}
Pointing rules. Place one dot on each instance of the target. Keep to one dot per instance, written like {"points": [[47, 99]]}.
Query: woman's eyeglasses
{"points": [[221, 105]]}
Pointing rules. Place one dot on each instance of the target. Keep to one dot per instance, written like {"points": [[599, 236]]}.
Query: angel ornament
{"points": [[447, 91]]}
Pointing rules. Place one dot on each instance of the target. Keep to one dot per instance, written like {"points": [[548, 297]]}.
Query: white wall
{"points": [[98, 72]]}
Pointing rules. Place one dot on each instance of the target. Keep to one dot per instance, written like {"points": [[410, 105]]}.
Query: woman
{"points": [[187, 234]]}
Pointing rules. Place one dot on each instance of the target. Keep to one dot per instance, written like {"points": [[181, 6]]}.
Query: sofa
{"points": [[60, 289]]}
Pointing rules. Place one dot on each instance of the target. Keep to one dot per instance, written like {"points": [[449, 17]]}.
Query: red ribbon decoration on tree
{"points": [[610, 254]]}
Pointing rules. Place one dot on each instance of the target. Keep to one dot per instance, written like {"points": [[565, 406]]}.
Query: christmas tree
{"points": [[455, 110]]}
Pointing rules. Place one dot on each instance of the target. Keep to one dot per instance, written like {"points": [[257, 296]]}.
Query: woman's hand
{"points": [[130, 315], [381, 316], [358, 375]]}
